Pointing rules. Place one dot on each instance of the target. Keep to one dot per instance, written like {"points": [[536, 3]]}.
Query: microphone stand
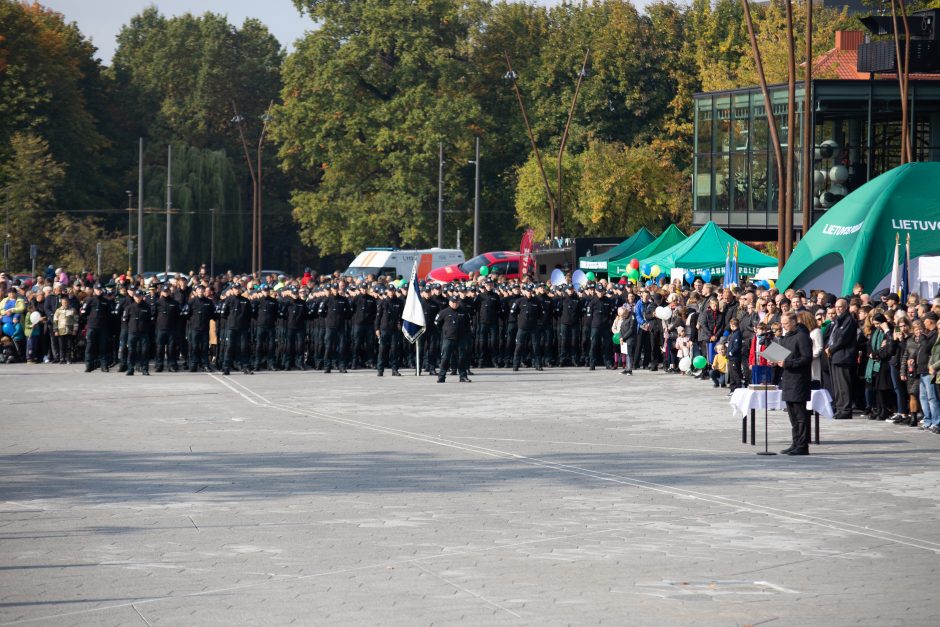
{"points": [[766, 385]]}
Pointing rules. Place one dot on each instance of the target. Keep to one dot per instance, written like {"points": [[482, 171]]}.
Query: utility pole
{"points": [[512, 76], [140, 208], [265, 118], [476, 202], [440, 195], [564, 136], [237, 120], [130, 240], [212, 242], [169, 203]]}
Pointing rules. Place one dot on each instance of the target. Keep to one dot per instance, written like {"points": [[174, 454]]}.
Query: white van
{"points": [[394, 262]]}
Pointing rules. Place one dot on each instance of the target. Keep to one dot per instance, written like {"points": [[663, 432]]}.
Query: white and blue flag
{"points": [[412, 318]]}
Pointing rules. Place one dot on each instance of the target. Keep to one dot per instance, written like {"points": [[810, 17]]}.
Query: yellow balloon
{"points": [[771, 282], [655, 271]]}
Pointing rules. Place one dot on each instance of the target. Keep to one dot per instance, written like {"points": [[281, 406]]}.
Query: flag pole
{"points": [[418, 357]]}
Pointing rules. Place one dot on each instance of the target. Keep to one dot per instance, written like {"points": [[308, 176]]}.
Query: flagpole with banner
{"points": [[906, 272], [727, 279], [412, 318], [895, 269]]}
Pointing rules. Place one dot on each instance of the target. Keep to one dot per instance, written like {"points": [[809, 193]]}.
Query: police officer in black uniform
{"points": [[528, 312], [568, 314], [294, 311], [138, 318], [362, 345], [201, 311], [236, 317], [388, 331], [96, 311], [335, 311], [601, 310], [488, 308], [454, 323], [167, 323], [265, 311]]}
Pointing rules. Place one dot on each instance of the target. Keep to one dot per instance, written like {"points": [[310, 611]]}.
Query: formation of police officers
{"points": [[347, 325]]}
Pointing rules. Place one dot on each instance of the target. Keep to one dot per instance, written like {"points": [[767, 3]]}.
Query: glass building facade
{"points": [[734, 182]]}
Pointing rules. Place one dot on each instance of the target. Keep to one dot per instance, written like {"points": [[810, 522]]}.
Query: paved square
{"points": [[560, 497]]}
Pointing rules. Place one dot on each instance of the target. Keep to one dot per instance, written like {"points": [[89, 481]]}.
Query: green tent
{"points": [[635, 242], [707, 249], [669, 238], [854, 241]]}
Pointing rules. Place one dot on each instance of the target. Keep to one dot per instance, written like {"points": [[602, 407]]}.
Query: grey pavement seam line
{"points": [[624, 445], [813, 558], [339, 571], [141, 615], [466, 590], [640, 483]]}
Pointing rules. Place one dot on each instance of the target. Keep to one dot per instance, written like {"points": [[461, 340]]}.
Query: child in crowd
{"points": [[64, 329], [683, 345], [719, 371], [734, 355]]}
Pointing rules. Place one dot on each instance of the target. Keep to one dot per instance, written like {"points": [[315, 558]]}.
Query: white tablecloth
{"points": [[745, 399]]}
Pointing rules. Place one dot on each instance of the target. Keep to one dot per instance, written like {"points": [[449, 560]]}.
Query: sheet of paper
{"points": [[775, 352]]}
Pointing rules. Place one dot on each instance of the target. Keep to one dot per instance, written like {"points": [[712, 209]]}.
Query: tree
{"points": [[30, 180], [52, 86], [367, 98], [531, 205], [73, 243]]}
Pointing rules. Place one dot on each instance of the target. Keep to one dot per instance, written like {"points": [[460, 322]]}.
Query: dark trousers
{"points": [[166, 347], [333, 346], [122, 348], [361, 345], [234, 349], [599, 345], [431, 341], [294, 348], [198, 349], [96, 347], [488, 344], [450, 358], [799, 422], [642, 351], [137, 345], [842, 381], [389, 349], [734, 374], [567, 352], [509, 346], [527, 339], [64, 346], [264, 347]]}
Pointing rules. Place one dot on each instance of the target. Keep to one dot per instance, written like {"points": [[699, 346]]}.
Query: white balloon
{"points": [[35, 317], [829, 149], [819, 179], [838, 190], [664, 313], [838, 174], [685, 364]]}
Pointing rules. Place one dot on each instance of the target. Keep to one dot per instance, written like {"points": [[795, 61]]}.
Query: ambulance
{"points": [[394, 262]]}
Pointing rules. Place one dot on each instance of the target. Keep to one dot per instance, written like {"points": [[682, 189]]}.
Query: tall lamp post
{"points": [[265, 119], [256, 188], [130, 240], [212, 212], [476, 200]]}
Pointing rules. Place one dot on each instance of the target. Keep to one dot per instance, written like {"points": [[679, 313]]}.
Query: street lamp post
{"points": [[130, 241], [476, 200], [212, 242], [140, 207], [169, 205], [512, 76], [238, 120], [265, 118], [440, 195]]}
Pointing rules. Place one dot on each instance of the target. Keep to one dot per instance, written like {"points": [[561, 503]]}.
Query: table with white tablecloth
{"points": [[746, 401]]}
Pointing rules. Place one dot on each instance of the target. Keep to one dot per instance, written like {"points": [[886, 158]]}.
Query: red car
{"points": [[501, 263]]}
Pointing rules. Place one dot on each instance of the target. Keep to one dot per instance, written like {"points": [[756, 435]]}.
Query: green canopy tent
{"points": [[635, 242], [854, 241], [669, 238], [707, 249]]}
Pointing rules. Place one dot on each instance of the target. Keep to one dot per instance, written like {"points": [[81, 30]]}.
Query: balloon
{"points": [[645, 270], [558, 277], [689, 277], [8, 329], [655, 271], [699, 362], [838, 174], [649, 284], [707, 276], [664, 313], [591, 276], [578, 278], [770, 283], [35, 317], [616, 338], [685, 364], [485, 271], [635, 264]]}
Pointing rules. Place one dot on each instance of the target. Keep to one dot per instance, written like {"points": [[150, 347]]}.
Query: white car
{"points": [[394, 263]]}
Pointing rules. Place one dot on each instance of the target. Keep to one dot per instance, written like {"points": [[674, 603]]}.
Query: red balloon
{"points": [[635, 264]]}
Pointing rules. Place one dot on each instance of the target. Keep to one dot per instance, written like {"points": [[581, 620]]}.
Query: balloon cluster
{"points": [[829, 185]]}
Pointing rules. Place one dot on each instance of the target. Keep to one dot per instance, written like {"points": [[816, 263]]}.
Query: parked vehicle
{"points": [[395, 263], [501, 263]]}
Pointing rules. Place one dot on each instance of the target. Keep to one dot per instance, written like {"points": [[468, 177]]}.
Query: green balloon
{"points": [[699, 362], [485, 271], [616, 338], [591, 276], [633, 274]]}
